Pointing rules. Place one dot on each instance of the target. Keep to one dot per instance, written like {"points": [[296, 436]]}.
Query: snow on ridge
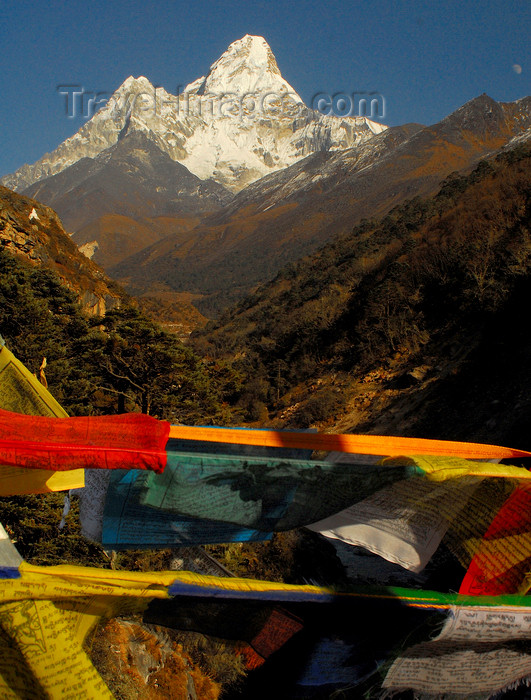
{"points": [[194, 86], [132, 82]]}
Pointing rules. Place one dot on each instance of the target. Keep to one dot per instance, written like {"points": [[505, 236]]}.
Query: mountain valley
{"points": [[288, 255], [288, 214]]}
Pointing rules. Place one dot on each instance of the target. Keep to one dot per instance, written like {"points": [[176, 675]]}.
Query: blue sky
{"points": [[426, 58]]}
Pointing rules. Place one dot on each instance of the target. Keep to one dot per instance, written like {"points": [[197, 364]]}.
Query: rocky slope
{"points": [[34, 232]]}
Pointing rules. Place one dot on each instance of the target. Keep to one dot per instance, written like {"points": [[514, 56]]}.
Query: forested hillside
{"points": [[95, 365], [395, 305]]}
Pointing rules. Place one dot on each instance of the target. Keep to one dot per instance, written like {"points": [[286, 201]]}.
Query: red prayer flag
{"points": [[502, 561], [132, 441]]}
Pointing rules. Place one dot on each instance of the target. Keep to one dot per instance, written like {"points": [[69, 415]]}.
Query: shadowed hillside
{"points": [[407, 324]]}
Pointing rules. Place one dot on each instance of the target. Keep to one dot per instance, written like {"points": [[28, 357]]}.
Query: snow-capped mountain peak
{"points": [[247, 66], [240, 122], [132, 84]]}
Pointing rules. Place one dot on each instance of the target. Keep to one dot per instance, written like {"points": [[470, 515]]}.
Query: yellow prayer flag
{"points": [[21, 392], [438, 468]]}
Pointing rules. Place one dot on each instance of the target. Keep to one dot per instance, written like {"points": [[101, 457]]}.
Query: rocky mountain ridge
{"points": [[127, 197], [34, 232]]}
